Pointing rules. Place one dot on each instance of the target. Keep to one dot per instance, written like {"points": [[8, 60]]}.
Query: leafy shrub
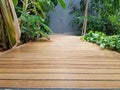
{"points": [[33, 17], [33, 27], [110, 42]]}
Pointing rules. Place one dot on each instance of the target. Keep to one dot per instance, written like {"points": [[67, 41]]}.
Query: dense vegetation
{"points": [[33, 15], [103, 15], [33, 20], [110, 42], [103, 19]]}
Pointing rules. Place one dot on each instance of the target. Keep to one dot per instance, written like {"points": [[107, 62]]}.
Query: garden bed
{"points": [[105, 41]]}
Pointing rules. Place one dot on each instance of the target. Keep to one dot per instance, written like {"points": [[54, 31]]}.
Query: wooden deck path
{"points": [[63, 62]]}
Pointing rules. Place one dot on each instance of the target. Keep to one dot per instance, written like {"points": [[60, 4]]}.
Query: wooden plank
{"points": [[65, 77], [82, 59], [63, 66], [41, 62], [69, 71], [12, 49], [59, 84], [66, 53], [60, 60]]}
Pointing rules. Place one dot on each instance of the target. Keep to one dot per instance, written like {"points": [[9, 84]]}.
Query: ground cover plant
{"points": [[105, 41]]}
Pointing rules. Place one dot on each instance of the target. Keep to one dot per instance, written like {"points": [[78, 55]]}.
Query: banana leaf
{"points": [[11, 26], [63, 4]]}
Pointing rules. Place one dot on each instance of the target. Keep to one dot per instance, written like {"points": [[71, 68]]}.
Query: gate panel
{"points": [[60, 19]]}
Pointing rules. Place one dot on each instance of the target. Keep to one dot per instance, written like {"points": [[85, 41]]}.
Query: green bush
{"points": [[33, 27], [110, 42], [33, 15]]}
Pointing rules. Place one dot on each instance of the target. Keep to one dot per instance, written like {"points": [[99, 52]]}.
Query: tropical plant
{"points": [[110, 42], [9, 27], [40, 6], [33, 17], [33, 28]]}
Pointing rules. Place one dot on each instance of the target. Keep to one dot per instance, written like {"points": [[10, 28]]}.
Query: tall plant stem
{"points": [[16, 23], [85, 20], [11, 26]]}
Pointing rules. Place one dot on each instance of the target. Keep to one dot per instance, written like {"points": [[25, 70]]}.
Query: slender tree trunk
{"points": [[85, 20]]}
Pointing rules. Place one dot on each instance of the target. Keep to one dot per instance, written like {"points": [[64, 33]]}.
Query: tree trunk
{"points": [[85, 19]]}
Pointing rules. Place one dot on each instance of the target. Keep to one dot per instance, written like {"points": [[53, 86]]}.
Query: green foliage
{"points": [[33, 17], [62, 3], [103, 15], [110, 42], [40, 6], [33, 27]]}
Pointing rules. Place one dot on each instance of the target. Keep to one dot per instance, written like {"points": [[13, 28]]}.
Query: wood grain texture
{"points": [[63, 62]]}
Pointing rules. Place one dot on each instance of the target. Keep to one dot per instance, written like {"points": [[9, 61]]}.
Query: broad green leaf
{"points": [[63, 4]]}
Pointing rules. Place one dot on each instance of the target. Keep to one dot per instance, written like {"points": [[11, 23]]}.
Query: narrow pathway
{"points": [[63, 62]]}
